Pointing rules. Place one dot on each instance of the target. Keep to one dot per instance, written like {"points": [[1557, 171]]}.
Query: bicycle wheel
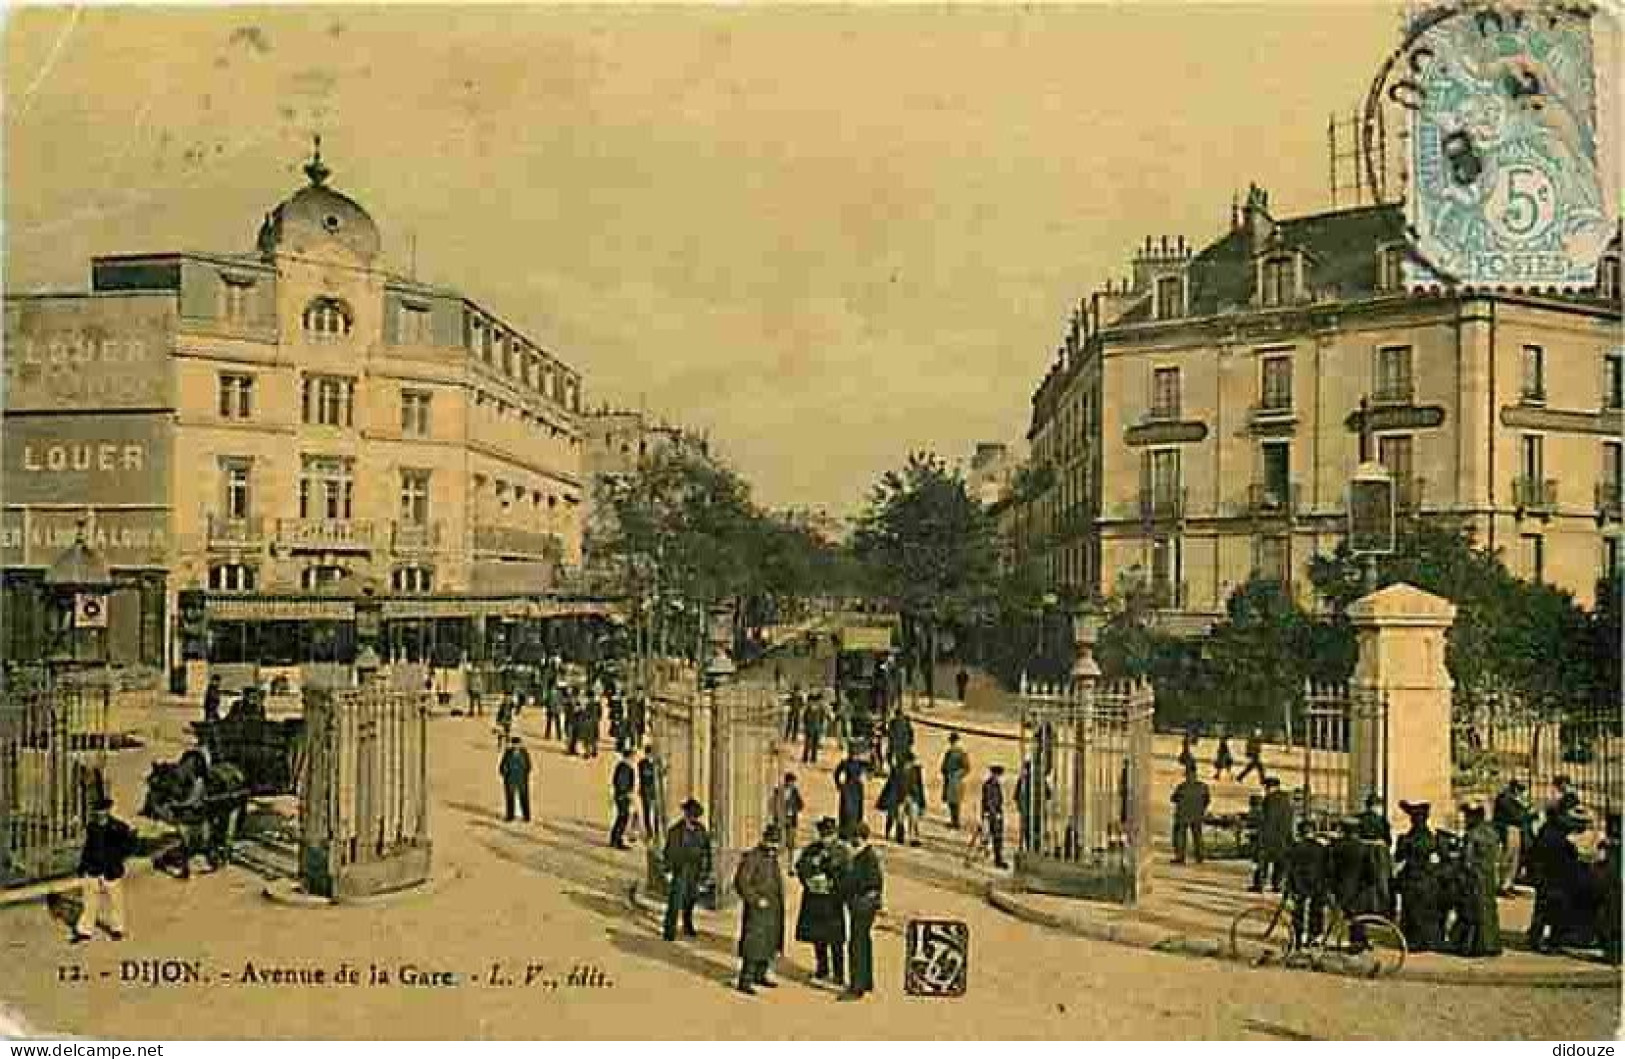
{"points": [[1382, 951], [1261, 934]]}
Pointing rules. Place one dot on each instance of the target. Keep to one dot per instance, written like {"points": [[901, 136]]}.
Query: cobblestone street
{"points": [[551, 898]]}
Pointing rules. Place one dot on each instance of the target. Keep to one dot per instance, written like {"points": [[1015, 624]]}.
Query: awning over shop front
{"points": [[251, 609]]}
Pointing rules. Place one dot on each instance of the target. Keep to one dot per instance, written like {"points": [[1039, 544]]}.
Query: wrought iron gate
{"points": [[53, 750]]}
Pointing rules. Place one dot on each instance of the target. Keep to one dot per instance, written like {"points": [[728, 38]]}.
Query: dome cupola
{"points": [[316, 220]]}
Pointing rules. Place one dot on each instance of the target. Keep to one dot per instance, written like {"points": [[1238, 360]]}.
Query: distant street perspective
{"points": [[369, 672]]}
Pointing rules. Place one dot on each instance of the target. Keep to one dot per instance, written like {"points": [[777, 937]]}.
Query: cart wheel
{"points": [[1384, 947], [1261, 935]]}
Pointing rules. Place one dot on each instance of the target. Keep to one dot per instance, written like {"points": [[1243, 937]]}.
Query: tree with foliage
{"points": [[927, 546]]}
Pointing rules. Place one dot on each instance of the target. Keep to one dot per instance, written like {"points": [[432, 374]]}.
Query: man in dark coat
{"points": [[1274, 836], [761, 903], [1190, 800], [793, 709], [515, 771], [1308, 883], [822, 919], [993, 812], [849, 786], [688, 862], [109, 841], [1608, 883], [814, 718], [211, 699], [1511, 818], [955, 768], [903, 799], [1359, 877], [1554, 868], [1478, 919], [861, 889], [899, 738], [1255, 757], [649, 770], [622, 783], [784, 809], [572, 722], [1418, 861], [961, 683], [1373, 822]]}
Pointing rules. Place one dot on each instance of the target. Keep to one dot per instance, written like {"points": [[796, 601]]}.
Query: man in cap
{"points": [[1511, 817], [109, 841], [1373, 822], [515, 771], [650, 770], [993, 812], [822, 919], [761, 894], [1419, 860], [955, 767], [1478, 919], [784, 809], [861, 888], [1190, 800], [849, 786], [688, 860], [622, 783], [1308, 882], [1274, 835]]}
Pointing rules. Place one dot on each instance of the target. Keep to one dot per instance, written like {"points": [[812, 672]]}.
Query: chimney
{"points": [[1255, 217]]}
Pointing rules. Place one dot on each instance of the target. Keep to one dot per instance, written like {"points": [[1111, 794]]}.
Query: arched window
{"points": [[327, 318]]}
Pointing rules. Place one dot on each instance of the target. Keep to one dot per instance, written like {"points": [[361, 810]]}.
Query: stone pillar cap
{"points": [[1402, 604]]}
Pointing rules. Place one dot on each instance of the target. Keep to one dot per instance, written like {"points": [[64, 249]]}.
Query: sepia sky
{"points": [[829, 235]]}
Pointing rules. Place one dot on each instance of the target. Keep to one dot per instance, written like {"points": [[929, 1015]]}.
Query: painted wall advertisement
{"points": [[90, 353], [111, 469]]}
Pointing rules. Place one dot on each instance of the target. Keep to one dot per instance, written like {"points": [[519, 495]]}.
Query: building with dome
{"points": [[262, 435]]}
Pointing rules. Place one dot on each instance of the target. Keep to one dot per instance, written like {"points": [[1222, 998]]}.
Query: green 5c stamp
{"points": [[1504, 189]]}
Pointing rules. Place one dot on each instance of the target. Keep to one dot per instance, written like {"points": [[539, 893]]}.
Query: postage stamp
{"points": [[1505, 189]]}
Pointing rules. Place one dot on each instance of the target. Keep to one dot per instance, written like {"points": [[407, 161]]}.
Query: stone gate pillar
{"points": [[1399, 730]]}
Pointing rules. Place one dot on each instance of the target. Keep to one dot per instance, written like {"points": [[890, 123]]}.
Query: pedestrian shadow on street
{"points": [[562, 859], [483, 811]]}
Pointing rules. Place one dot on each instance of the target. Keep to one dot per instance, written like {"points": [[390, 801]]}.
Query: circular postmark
{"points": [[1500, 181]]}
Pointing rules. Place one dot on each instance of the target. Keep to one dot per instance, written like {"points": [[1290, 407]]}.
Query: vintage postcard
{"points": [[812, 522]]}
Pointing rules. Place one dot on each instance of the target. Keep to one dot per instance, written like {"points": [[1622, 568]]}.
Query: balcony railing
{"points": [[1608, 500], [1408, 493], [1274, 406], [1394, 391], [1162, 504], [414, 536], [1162, 412], [1272, 498], [236, 532], [1534, 494], [324, 533]]}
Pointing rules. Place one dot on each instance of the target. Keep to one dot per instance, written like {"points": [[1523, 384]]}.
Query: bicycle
{"points": [[1264, 934]]}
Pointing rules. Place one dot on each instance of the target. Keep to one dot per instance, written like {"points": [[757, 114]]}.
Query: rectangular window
{"points": [[1276, 464], [414, 325], [236, 396], [415, 413], [1394, 382], [1278, 285], [1274, 559], [1610, 558], [1531, 461], [234, 298], [235, 475], [1613, 381], [326, 488], [1533, 374], [1613, 477], [415, 497], [1165, 572], [1170, 297], [1390, 268], [1277, 384], [1608, 277], [1534, 550], [1165, 393], [1394, 451], [328, 400]]}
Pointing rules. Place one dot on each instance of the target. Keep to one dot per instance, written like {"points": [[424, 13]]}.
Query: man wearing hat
{"points": [[1274, 835], [1308, 881], [761, 894], [955, 767], [1512, 818], [688, 860], [849, 785], [108, 842], [1190, 800], [1373, 822], [1359, 877], [1478, 919], [515, 770], [993, 812], [1419, 860], [623, 781], [1554, 868], [822, 919], [861, 889], [784, 808]]}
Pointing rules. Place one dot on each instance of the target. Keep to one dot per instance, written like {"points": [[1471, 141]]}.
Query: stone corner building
{"points": [[284, 422], [1201, 421]]}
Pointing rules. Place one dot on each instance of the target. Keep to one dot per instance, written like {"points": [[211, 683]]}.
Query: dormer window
{"points": [[1278, 280], [327, 318], [1390, 268], [414, 324], [1170, 294], [234, 298]]}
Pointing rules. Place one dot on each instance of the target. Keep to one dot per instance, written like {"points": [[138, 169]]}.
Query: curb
{"points": [[286, 892], [1151, 938]]}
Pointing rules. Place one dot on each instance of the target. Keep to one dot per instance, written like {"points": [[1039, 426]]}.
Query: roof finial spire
{"points": [[314, 169]]}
